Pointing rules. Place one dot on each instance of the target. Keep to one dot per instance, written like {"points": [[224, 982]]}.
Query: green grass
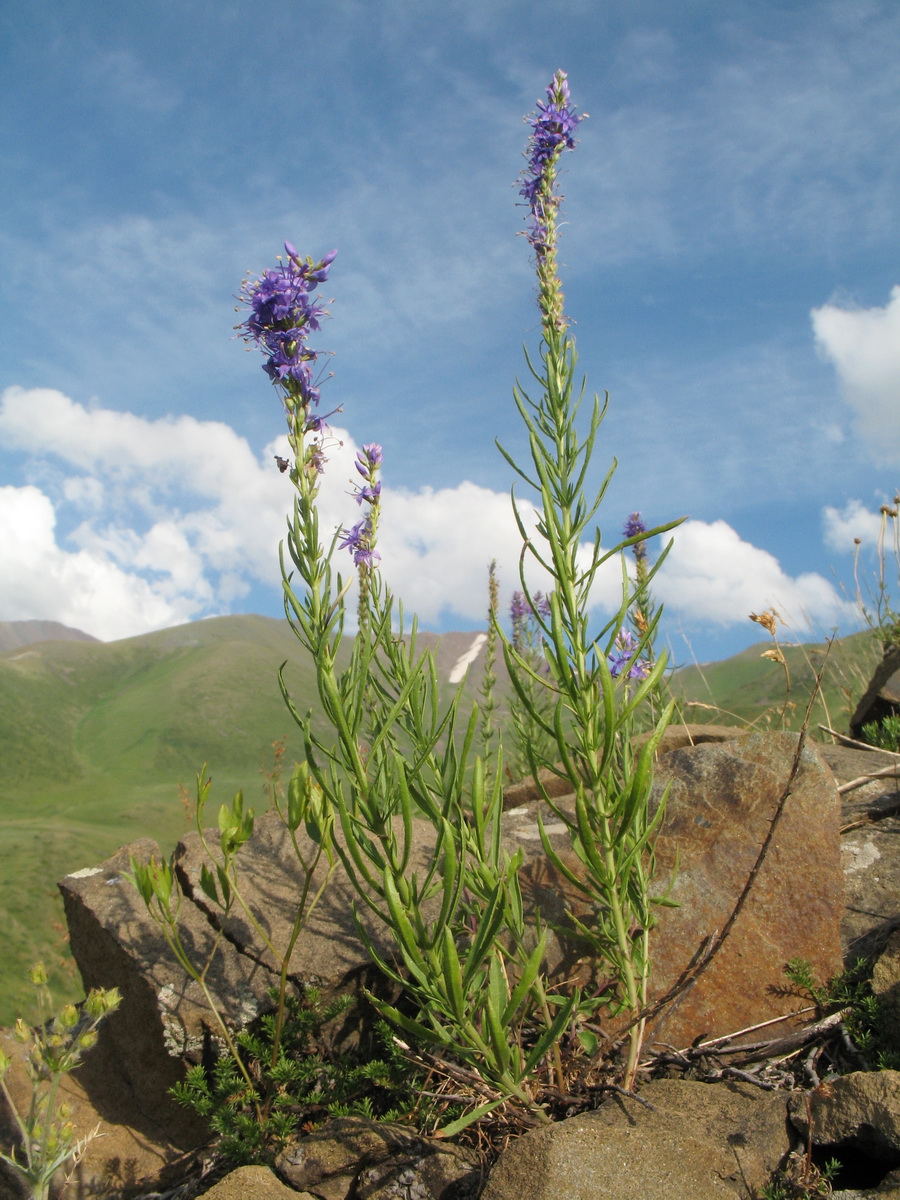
{"points": [[101, 742], [751, 690]]}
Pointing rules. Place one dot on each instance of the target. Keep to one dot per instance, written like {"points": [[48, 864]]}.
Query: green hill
{"points": [[100, 744], [752, 689]]}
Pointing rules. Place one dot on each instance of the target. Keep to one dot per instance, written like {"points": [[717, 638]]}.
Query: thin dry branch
{"points": [[891, 772], [849, 741]]}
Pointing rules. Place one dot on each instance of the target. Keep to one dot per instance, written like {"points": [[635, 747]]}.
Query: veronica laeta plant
{"points": [[456, 915], [598, 680], [473, 975]]}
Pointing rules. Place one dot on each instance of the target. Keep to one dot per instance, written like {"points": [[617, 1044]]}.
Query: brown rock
{"points": [[698, 1142], [254, 1183], [720, 809], [861, 1110]]}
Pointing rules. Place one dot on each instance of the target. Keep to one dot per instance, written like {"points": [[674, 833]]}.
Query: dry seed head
{"points": [[774, 654], [766, 619]]}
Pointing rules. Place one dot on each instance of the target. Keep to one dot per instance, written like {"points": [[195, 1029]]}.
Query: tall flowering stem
{"points": [[461, 951], [594, 704], [488, 702], [531, 720]]}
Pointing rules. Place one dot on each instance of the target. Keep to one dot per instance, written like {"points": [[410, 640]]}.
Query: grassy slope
{"points": [[749, 689], [100, 744]]}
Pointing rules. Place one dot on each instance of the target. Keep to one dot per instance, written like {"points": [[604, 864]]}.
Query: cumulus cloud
{"points": [[841, 527], [82, 588], [176, 518], [864, 345], [713, 576]]}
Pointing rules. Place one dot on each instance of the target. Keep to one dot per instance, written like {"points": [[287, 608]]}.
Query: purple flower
{"points": [[624, 650], [519, 608], [282, 314], [552, 127], [371, 493], [357, 540], [633, 527]]}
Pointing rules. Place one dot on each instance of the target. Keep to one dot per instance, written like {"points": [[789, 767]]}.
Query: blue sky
{"points": [[729, 260]]}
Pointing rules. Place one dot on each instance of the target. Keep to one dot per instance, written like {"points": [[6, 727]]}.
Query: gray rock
{"points": [[871, 862], [860, 1110], [329, 1160], [699, 1142], [435, 1172], [886, 986]]}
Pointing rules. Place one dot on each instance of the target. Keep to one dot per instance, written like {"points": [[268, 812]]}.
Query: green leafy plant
{"points": [[55, 1046], [298, 1080], [865, 1015], [301, 808], [474, 974], [884, 733], [532, 701]]}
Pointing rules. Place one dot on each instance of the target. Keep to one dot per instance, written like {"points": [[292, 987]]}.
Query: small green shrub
{"points": [[851, 990], [884, 733], [299, 1082], [56, 1045]]}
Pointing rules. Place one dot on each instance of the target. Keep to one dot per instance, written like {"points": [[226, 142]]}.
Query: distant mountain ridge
{"points": [[15, 634]]}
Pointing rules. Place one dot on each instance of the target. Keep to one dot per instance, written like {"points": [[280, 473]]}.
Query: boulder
{"points": [[886, 986], [882, 697], [871, 862], [697, 1141], [164, 1017], [254, 1183], [369, 1160], [860, 1110], [720, 809]]}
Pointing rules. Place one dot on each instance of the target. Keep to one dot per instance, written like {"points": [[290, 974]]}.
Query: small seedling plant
{"points": [[53, 1047]]}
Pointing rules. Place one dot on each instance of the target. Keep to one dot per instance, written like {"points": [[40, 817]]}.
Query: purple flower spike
{"points": [[282, 314], [552, 129], [634, 526], [623, 651]]}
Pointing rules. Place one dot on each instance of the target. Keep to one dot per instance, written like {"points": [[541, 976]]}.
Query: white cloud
{"points": [[841, 527], [84, 589], [177, 518], [864, 345], [713, 576]]}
